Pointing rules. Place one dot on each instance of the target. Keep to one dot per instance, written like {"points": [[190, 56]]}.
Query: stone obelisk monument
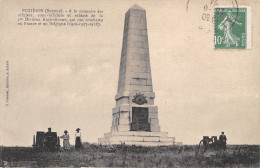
{"points": [[135, 117]]}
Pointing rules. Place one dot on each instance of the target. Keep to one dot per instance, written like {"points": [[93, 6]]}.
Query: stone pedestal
{"points": [[135, 117], [138, 138]]}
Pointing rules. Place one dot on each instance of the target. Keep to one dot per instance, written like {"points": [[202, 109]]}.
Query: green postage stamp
{"points": [[232, 27]]}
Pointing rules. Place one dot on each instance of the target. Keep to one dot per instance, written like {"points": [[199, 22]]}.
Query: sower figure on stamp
{"points": [[78, 143], [223, 140], [66, 143], [226, 25]]}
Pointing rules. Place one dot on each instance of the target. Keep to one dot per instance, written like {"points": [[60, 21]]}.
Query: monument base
{"points": [[138, 138]]}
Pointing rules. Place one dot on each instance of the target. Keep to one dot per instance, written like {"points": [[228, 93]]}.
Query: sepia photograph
{"points": [[129, 83]]}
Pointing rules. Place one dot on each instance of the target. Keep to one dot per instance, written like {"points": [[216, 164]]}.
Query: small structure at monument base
{"points": [[46, 141], [138, 138]]}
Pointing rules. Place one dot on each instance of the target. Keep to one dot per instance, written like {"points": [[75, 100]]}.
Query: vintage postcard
{"points": [[129, 83]]}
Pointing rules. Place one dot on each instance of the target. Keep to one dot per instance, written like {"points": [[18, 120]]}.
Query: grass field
{"points": [[132, 156]]}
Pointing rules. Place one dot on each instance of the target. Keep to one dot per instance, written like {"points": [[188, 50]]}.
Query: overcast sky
{"points": [[67, 78]]}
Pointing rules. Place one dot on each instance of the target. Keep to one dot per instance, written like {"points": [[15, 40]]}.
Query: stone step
{"points": [[145, 143], [140, 139], [137, 138], [137, 133]]}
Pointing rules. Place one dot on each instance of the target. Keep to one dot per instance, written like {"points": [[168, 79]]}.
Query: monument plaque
{"points": [[135, 117], [140, 119]]}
